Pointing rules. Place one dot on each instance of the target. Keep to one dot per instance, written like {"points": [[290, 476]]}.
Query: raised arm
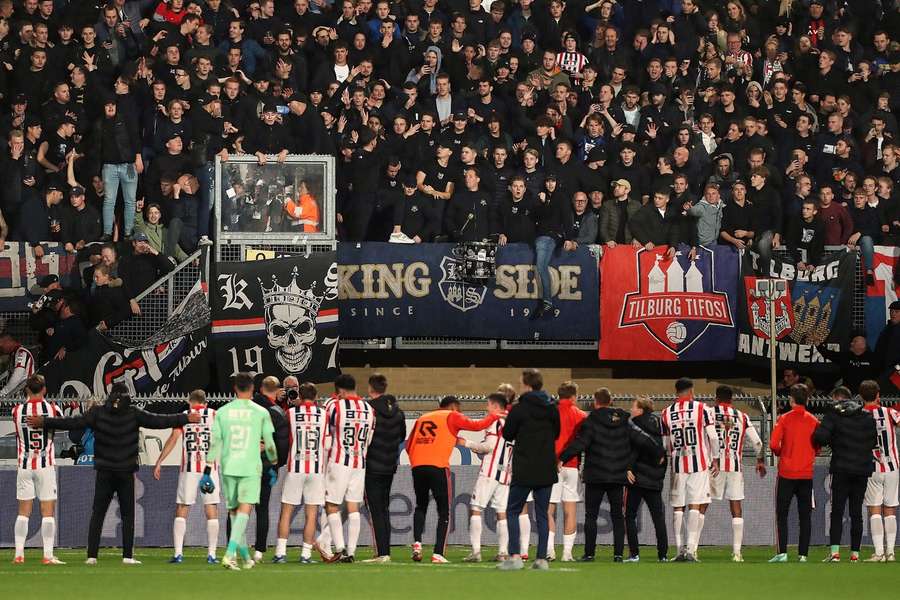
{"points": [[459, 422]]}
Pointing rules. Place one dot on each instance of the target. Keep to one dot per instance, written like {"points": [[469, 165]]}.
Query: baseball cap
{"points": [[409, 180], [529, 34], [629, 129], [270, 107], [20, 99], [596, 154], [550, 175], [48, 280], [76, 190], [895, 305], [140, 236], [623, 183], [460, 116], [629, 146]]}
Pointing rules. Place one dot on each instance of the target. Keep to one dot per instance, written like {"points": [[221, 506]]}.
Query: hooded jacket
{"points": [[851, 433], [533, 424], [388, 437], [116, 425], [282, 436], [648, 463]]}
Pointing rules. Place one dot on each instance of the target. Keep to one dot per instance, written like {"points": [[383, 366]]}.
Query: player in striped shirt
{"points": [[492, 487], [351, 422], [693, 445], [881, 489], [733, 428], [36, 474], [305, 481], [21, 365], [193, 462]]}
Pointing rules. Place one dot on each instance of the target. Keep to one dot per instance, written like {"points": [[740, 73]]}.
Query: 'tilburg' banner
{"points": [[818, 313], [277, 317], [658, 308], [418, 290]]}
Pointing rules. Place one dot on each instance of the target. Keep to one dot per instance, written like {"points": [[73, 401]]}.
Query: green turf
{"points": [[715, 578]]}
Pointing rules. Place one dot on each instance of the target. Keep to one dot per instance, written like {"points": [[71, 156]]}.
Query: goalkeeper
{"points": [[237, 431]]}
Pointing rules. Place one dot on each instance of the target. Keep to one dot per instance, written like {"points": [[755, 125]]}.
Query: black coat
{"points": [[533, 424], [116, 432], [850, 431], [282, 435], [388, 437], [648, 463]]}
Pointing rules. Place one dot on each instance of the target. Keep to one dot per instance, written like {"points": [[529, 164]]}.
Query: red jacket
{"points": [[570, 418], [792, 443]]}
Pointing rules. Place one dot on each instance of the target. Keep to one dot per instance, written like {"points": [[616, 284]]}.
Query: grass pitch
{"points": [[716, 577]]}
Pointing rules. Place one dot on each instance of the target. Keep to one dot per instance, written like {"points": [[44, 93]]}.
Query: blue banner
{"points": [[388, 290]]}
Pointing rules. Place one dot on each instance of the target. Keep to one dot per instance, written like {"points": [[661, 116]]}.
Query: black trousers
{"points": [[786, 489], [108, 484], [653, 498], [436, 482], [378, 501], [593, 496], [844, 487]]}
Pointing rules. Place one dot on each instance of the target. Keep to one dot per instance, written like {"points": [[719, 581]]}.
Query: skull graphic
{"points": [[291, 332]]}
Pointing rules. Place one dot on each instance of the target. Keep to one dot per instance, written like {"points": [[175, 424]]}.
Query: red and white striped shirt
{"points": [[686, 422], [195, 440], [571, 62], [350, 426], [734, 428], [21, 368], [886, 421], [496, 459], [308, 433], [34, 447]]}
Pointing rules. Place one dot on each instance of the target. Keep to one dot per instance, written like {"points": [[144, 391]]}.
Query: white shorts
{"points": [[189, 487], [881, 489], [728, 485], [344, 484], [300, 487], [689, 488], [566, 488], [490, 492], [36, 482]]}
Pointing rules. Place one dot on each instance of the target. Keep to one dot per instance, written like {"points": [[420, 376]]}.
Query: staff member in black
{"points": [[381, 463], [469, 216], [414, 215], [850, 431], [116, 425], [533, 424]]}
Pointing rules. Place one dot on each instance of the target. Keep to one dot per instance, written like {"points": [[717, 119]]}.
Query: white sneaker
{"points": [[438, 559], [257, 556], [401, 238], [130, 561], [567, 558], [91, 562], [52, 561], [377, 560], [875, 558], [230, 563], [249, 565], [473, 557], [417, 551], [890, 558], [737, 558]]}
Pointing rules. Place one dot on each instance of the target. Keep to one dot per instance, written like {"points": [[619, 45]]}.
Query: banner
{"points": [[20, 271], [418, 290], [277, 317], [819, 312], [656, 307], [880, 295]]}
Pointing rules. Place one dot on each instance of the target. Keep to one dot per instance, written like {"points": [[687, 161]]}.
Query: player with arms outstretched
{"points": [[194, 447], [36, 475], [733, 428], [693, 444], [305, 480], [237, 431], [882, 488]]}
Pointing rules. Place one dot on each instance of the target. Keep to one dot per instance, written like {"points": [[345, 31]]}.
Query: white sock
{"points": [[890, 533], [337, 531], [502, 537], [568, 544], [353, 525], [324, 539], [48, 535], [678, 521], [737, 532], [306, 552], [524, 534], [693, 530], [551, 541], [876, 525], [21, 533], [212, 536], [701, 520], [178, 529], [475, 533], [281, 547]]}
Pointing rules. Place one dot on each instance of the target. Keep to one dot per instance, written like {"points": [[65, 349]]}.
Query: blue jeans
{"points": [[544, 246], [867, 249], [123, 174], [518, 494]]}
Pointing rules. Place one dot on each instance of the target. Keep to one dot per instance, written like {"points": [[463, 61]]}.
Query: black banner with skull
{"points": [[276, 317]]}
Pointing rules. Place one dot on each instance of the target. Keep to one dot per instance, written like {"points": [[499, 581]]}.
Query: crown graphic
{"points": [[291, 294]]}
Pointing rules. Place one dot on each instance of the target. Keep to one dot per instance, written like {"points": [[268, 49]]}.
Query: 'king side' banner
{"points": [[391, 290], [277, 317], [20, 271], [655, 307], [815, 310]]}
